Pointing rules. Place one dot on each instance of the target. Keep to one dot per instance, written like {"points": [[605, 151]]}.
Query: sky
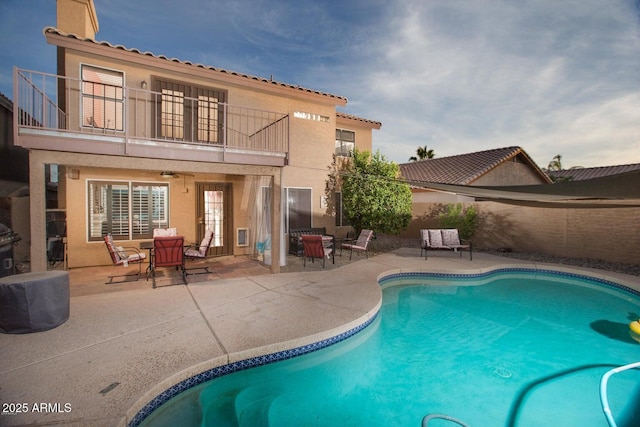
{"points": [[459, 76]]}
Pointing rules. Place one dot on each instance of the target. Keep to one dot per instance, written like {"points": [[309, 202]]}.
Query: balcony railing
{"points": [[63, 107]]}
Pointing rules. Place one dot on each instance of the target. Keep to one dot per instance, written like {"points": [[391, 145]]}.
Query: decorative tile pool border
{"points": [[604, 282], [238, 366]]}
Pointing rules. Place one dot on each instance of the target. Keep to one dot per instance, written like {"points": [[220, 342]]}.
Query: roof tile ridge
{"points": [[54, 30]]}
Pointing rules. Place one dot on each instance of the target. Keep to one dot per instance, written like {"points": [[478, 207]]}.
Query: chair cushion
{"points": [[165, 232], [120, 252], [424, 237], [356, 246], [135, 257], [364, 237], [193, 253], [435, 238], [450, 237]]}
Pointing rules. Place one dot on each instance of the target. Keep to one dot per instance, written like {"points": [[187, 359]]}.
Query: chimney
{"points": [[77, 17]]}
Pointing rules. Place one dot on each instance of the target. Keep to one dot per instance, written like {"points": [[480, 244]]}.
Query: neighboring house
{"points": [[14, 185], [142, 141], [591, 218], [14, 161], [496, 167], [579, 174]]}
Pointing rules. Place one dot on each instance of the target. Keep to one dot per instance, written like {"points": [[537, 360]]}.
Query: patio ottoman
{"points": [[33, 302]]}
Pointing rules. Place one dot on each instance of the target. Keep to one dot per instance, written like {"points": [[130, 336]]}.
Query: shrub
{"points": [[457, 216]]}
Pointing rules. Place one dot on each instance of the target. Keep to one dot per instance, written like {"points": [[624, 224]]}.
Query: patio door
{"points": [[213, 207]]}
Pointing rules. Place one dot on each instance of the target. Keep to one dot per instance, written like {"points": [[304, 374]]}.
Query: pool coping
{"points": [[230, 363]]}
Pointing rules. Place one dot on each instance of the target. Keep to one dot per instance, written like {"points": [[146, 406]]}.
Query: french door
{"points": [[213, 207]]}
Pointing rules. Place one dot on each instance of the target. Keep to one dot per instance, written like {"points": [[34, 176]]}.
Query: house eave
{"points": [[147, 59]]}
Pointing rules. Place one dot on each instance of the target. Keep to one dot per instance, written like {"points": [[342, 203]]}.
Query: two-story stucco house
{"points": [[141, 141]]}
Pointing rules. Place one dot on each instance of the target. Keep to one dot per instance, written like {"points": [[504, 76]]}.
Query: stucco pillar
{"points": [[38, 212], [276, 221]]}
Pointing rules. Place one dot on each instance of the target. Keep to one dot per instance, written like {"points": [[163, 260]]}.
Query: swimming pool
{"points": [[512, 347]]}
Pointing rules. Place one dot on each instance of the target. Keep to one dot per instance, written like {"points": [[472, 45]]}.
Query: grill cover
{"points": [[33, 302]]}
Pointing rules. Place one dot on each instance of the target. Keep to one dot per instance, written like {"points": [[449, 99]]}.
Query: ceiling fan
{"points": [[168, 174], [171, 174]]}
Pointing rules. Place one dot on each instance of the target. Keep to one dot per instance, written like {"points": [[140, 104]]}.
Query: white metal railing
{"points": [[36, 102], [51, 102], [603, 390]]}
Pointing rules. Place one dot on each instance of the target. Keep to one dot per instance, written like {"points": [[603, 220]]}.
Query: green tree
{"points": [[372, 197], [423, 153], [556, 163]]}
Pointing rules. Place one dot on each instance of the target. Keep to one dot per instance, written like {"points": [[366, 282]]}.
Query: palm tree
{"points": [[423, 153], [556, 163]]}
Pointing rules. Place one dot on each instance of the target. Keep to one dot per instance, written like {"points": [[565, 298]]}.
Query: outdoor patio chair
{"points": [[314, 247], [123, 256], [361, 244], [443, 239], [199, 252], [164, 232], [168, 252]]}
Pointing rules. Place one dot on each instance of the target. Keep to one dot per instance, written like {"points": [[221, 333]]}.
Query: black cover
{"points": [[33, 302]]}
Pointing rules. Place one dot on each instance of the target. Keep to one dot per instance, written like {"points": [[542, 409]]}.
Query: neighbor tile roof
{"points": [[462, 169], [359, 119], [270, 81], [6, 102], [579, 174]]}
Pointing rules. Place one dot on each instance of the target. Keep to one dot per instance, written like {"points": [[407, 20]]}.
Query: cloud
{"points": [[462, 77], [458, 76]]}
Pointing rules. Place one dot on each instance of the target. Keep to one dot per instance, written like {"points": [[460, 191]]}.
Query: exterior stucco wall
{"points": [[182, 203], [611, 234], [182, 193]]}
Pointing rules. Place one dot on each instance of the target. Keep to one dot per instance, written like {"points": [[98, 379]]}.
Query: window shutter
{"points": [[120, 210], [140, 210]]}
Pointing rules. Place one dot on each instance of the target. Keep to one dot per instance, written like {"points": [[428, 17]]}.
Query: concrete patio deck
{"points": [[125, 344]]}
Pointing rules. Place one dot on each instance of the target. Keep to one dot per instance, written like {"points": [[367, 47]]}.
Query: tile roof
{"points": [[579, 174], [270, 81], [6, 102], [462, 169], [373, 123]]}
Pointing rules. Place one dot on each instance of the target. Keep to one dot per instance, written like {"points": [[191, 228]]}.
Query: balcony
{"points": [[64, 114]]}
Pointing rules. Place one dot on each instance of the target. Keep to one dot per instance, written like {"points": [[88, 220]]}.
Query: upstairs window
{"points": [[345, 142], [172, 114], [189, 113], [207, 119], [102, 98]]}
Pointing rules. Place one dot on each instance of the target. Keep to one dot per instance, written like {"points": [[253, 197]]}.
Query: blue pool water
{"points": [[500, 349]]}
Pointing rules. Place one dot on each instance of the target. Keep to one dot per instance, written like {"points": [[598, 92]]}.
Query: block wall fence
{"points": [[609, 234]]}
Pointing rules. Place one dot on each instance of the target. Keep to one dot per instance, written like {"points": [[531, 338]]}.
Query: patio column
{"points": [[276, 221], [38, 216]]}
